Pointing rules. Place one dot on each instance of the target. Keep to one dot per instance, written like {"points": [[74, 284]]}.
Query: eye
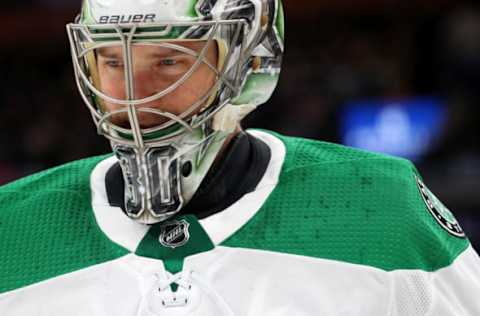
{"points": [[113, 63], [168, 62]]}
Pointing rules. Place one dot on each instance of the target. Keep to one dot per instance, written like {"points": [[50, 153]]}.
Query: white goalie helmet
{"points": [[165, 154]]}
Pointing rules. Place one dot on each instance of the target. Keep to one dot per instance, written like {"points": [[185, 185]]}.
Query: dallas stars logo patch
{"points": [[174, 234], [439, 211]]}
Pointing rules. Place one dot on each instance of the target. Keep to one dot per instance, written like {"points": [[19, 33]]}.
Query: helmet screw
{"points": [[187, 169]]}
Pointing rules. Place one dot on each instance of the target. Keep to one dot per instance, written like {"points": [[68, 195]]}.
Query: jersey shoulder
{"points": [[47, 226], [345, 204], [60, 177]]}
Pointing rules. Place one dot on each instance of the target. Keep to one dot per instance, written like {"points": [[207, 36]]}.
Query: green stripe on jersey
{"points": [[343, 204]]}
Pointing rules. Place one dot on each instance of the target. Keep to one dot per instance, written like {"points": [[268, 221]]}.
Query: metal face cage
{"points": [[88, 40], [152, 156]]}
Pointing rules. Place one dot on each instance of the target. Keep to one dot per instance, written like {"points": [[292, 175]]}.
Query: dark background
{"points": [[336, 51]]}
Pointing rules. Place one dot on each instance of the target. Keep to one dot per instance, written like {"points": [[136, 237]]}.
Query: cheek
{"points": [[112, 86], [114, 90], [186, 95], [201, 82]]}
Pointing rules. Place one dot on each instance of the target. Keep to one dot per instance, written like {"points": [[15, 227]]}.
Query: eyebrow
{"points": [[161, 52], [105, 52]]}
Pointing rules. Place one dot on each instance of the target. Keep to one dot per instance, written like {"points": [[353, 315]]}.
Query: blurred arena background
{"points": [[396, 76]]}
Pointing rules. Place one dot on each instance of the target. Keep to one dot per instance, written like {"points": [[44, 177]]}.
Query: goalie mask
{"points": [[135, 60]]}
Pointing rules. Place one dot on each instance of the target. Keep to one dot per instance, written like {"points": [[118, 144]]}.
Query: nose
{"points": [[144, 84]]}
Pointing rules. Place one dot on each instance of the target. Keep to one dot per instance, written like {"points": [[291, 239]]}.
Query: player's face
{"points": [[155, 68]]}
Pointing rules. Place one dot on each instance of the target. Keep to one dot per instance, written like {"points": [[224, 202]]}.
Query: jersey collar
{"points": [[219, 226]]}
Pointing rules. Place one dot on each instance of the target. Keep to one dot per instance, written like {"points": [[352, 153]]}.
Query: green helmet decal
{"points": [[280, 23]]}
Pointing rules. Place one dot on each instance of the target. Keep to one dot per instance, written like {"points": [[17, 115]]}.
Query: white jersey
{"points": [[299, 244]]}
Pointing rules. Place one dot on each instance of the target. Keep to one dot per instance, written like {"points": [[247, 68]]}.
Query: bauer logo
{"points": [[174, 234], [128, 18]]}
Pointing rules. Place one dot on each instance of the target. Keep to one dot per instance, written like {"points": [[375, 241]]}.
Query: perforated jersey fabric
{"points": [[47, 227], [345, 204], [413, 294], [331, 202]]}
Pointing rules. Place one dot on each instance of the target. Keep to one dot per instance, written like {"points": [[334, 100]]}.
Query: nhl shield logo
{"points": [[174, 234]]}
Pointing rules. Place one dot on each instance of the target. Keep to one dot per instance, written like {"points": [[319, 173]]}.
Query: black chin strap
{"points": [[236, 174]]}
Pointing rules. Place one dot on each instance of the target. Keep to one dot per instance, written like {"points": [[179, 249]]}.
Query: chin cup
{"points": [[152, 182]]}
